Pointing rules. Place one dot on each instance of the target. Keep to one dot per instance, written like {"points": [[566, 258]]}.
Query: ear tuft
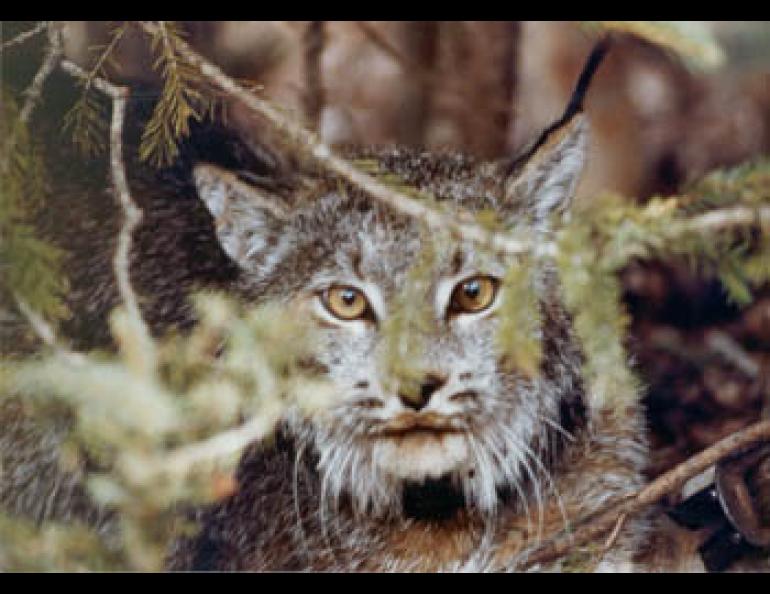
{"points": [[246, 218], [545, 184]]}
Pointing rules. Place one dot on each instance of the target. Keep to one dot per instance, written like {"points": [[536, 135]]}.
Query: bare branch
{"points": [[219, 446], [46, 333], [93, 80], [24, 36], [34, 91], [729, 217], [589, 529], [132, 215]]}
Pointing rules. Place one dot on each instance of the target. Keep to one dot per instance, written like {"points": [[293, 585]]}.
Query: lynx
{"points": [[465, 469]]}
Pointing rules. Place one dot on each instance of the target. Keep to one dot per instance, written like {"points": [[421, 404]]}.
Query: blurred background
{"points": [[662, 115], [487, 87]]}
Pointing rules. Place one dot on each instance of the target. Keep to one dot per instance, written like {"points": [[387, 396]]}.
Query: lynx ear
{"points": [[545, 179], [248, 220]]}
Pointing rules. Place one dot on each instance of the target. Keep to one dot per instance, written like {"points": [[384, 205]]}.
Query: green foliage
{"points": [[156, 430], [608, 233], [26, 548], [518, 338], [87, 120], [411, 320], [30, 266], [185, 96]]}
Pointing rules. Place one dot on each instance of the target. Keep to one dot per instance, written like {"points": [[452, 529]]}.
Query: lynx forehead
{"points": [[456, 413]]}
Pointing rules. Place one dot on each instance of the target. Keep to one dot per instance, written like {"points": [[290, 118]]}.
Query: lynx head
{"points": [[460, 418]]}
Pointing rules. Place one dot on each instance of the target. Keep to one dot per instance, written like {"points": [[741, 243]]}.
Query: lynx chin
{"points": [[462, 463]]}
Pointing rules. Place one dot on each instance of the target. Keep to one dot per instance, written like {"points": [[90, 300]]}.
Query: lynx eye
{"points": [[346, 303], [473, 295]]}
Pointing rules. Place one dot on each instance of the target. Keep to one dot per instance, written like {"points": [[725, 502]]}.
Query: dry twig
{"points": [[47, 334], [34, 91], [729, 217], [132, 215], [589, 529], [24, 36]]}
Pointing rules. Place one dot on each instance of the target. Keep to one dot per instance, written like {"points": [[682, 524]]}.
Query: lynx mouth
{"points": [[424, 446], [426, 424]]}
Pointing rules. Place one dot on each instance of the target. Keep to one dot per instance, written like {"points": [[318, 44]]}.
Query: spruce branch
{"points": [[85, 118], [181, 100], [222, 445], [587, 530]]}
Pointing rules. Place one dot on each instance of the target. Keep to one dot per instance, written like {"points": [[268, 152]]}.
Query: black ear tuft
{"points": [[542, 180], [574, 106]]}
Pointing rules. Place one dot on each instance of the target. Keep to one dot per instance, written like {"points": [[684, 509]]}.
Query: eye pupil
{"points": [[472, 289], [348, 297]]}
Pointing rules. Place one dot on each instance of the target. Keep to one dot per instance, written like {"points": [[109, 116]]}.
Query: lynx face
{"points": [[344, 261]]}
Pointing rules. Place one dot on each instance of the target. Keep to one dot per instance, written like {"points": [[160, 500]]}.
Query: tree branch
{"points": [[24, 36], [590, 529], [729, 217], [34, 91], [46, 333], [132, 215], [219, 446]]}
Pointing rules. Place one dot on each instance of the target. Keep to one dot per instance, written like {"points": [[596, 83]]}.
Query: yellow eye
{"points": [[346, 303], [474, 294]]}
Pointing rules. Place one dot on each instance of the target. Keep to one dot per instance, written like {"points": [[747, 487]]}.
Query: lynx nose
{"points": [[418, 397]]}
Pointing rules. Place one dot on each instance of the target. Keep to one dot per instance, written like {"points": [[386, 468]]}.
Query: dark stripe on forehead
{"points": [[356, 260], [458, 259]]}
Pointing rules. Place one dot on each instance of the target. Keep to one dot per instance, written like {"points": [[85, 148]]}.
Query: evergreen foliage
{"points": [[30, 266], [185, 96], [157, 422]]}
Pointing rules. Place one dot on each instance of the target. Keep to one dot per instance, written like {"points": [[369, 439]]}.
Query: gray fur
{"points": [[508, 457]]}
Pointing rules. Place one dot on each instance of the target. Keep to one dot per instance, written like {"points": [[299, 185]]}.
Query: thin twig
{"points": [[323, 156], [613, 537], [47, 334], [589, 529], [729, 217], [33, 93], [24, 36], [93, 80], [132, 215], [220, 446]]}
